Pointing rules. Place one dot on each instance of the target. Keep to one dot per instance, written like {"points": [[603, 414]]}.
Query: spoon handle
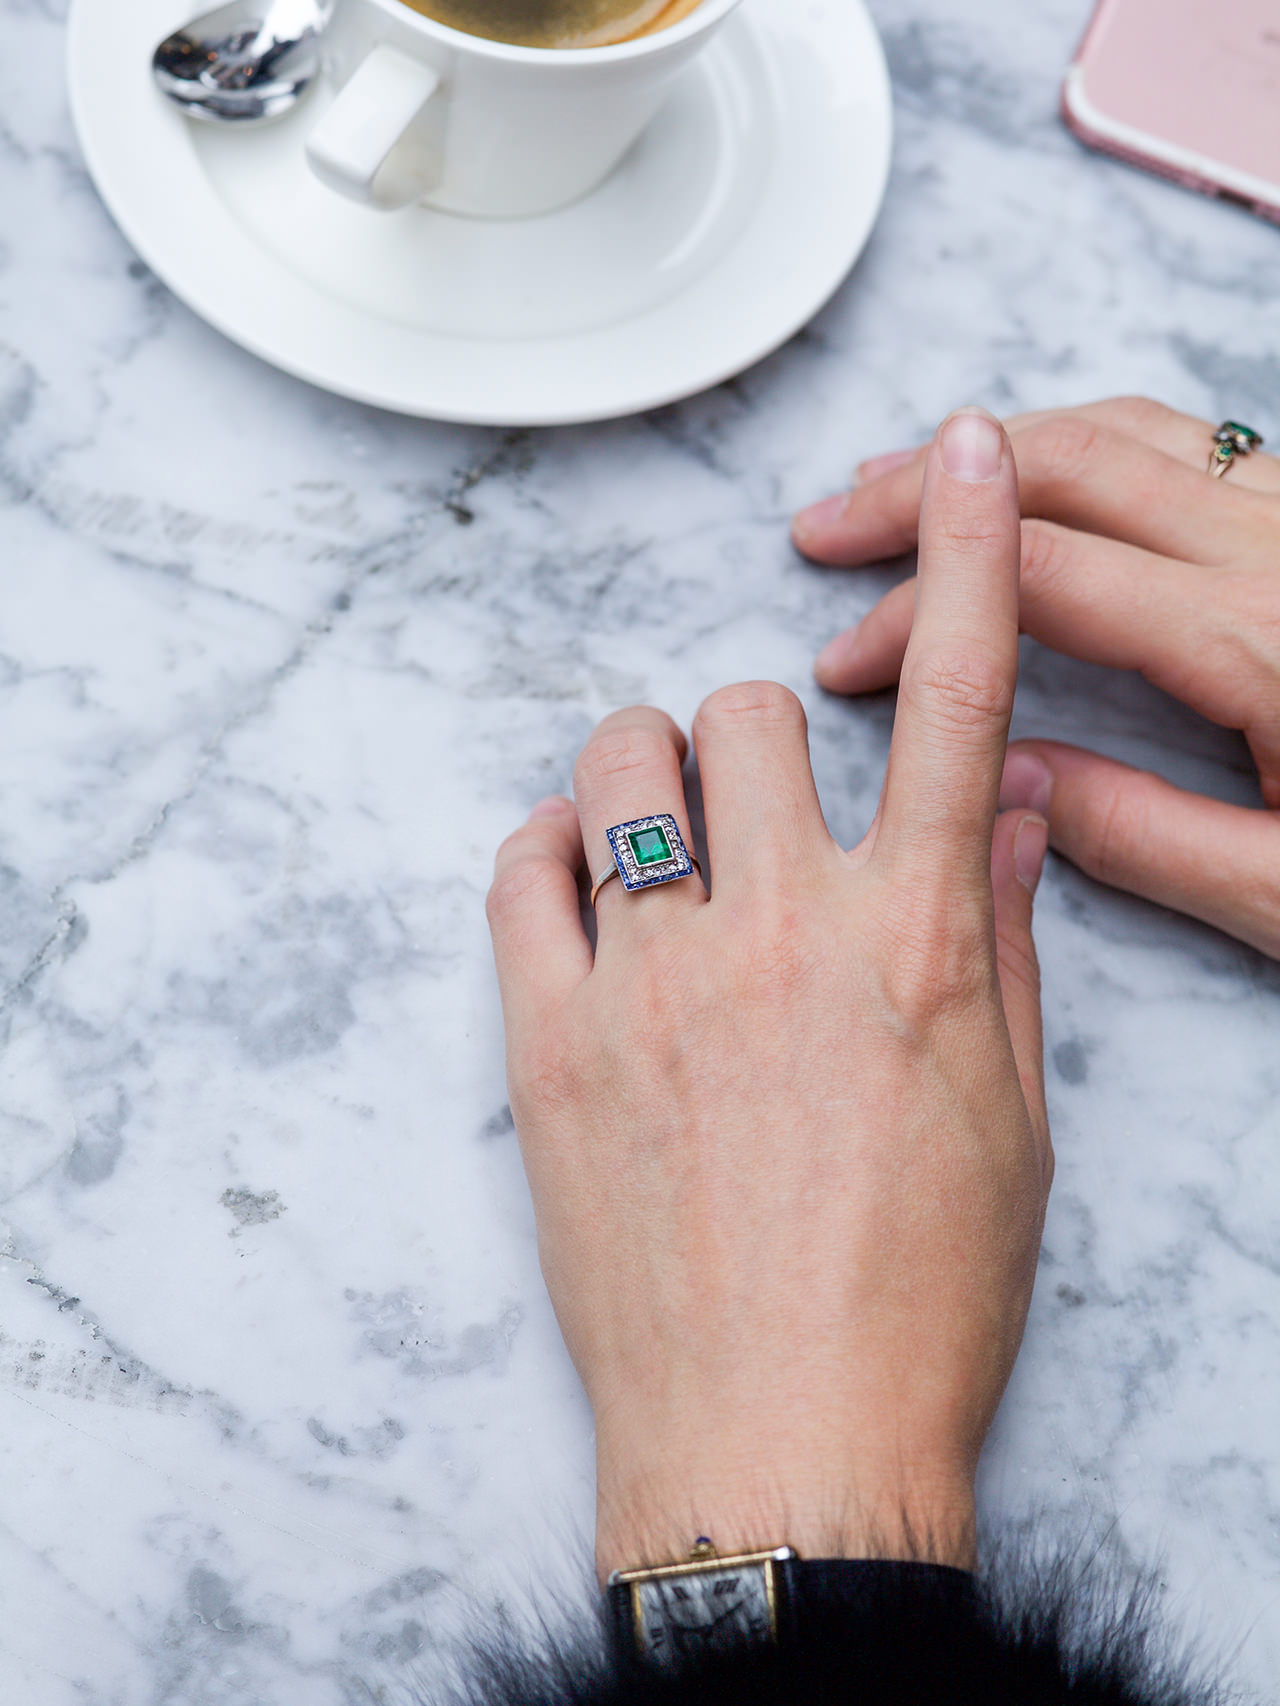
{"points": [[295, 20]]}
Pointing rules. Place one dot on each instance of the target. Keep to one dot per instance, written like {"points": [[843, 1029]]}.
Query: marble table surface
{"points": [[280, 1388]]}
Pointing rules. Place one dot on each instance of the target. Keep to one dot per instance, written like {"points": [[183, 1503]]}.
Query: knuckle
{"points": [[1139, 414], [523, 878], [969, 685], [1064, 447], [1046, 558], [622, 752], [977, 536], [1253, 623], [1115, 825], [1019, 968], [939, 963], [954, 983], [1262, 909], [759, 704]]}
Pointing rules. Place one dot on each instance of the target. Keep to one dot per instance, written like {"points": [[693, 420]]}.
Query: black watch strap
{"points": [[817, 1590]]}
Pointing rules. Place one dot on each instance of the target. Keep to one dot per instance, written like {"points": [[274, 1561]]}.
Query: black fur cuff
{"points": [[910, 1635]]}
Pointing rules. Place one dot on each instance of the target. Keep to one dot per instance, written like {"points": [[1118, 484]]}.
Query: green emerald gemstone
{"points": [[1244, 432], [650, 846]]}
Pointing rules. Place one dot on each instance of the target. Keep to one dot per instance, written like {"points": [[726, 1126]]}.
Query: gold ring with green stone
{"points": [[1232, 440], [646, 851]]}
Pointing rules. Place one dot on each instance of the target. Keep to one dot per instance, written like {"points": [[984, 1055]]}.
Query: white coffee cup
{"points": [[468, 125]]}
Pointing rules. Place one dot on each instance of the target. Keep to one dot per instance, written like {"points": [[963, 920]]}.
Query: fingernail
{"points": [[874, 466], [1030, 844], [972, 445], [1027, 781], [552, 806], [819, 518], [834, 654]]}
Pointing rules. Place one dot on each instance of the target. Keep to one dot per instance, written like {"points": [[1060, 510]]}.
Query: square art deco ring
{"points": [[1231, 440], [646, 851]]}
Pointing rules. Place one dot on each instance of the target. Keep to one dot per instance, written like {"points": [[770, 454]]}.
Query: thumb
{"points": [[1131, 829], [1017, 859]]}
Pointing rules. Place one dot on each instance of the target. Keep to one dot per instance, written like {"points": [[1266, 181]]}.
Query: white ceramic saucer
{"points": [[724, 231]]}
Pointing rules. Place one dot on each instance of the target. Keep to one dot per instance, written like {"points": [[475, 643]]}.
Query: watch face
{"points": [[684, 1615]]}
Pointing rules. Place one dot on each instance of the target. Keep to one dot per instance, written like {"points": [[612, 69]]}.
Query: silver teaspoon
{"points": [[245, 62]]}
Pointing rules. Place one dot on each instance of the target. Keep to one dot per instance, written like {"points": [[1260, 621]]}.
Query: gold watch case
{"points": [[678, 1608]]}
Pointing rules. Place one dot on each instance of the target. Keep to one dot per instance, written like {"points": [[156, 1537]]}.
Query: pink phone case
{"points": [[1187, 88]]}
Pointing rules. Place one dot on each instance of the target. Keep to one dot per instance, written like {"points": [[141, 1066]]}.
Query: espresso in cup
{"points": [[556, 23]]}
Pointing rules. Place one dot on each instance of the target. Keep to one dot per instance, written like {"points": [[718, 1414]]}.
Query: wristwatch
{"points": [[677, 1612]]}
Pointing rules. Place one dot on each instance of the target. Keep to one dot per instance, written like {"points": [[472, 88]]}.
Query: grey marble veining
{"points": [[279, 1383]]}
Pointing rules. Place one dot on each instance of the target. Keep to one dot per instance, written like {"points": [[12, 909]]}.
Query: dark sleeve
{"points": [[1026, 1634]]}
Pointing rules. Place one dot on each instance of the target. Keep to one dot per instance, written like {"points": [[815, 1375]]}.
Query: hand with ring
{"points": [[785, 1129], [1131, 557]]}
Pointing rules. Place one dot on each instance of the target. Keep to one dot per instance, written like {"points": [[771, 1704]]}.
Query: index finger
{"points": [[961, 667]]}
